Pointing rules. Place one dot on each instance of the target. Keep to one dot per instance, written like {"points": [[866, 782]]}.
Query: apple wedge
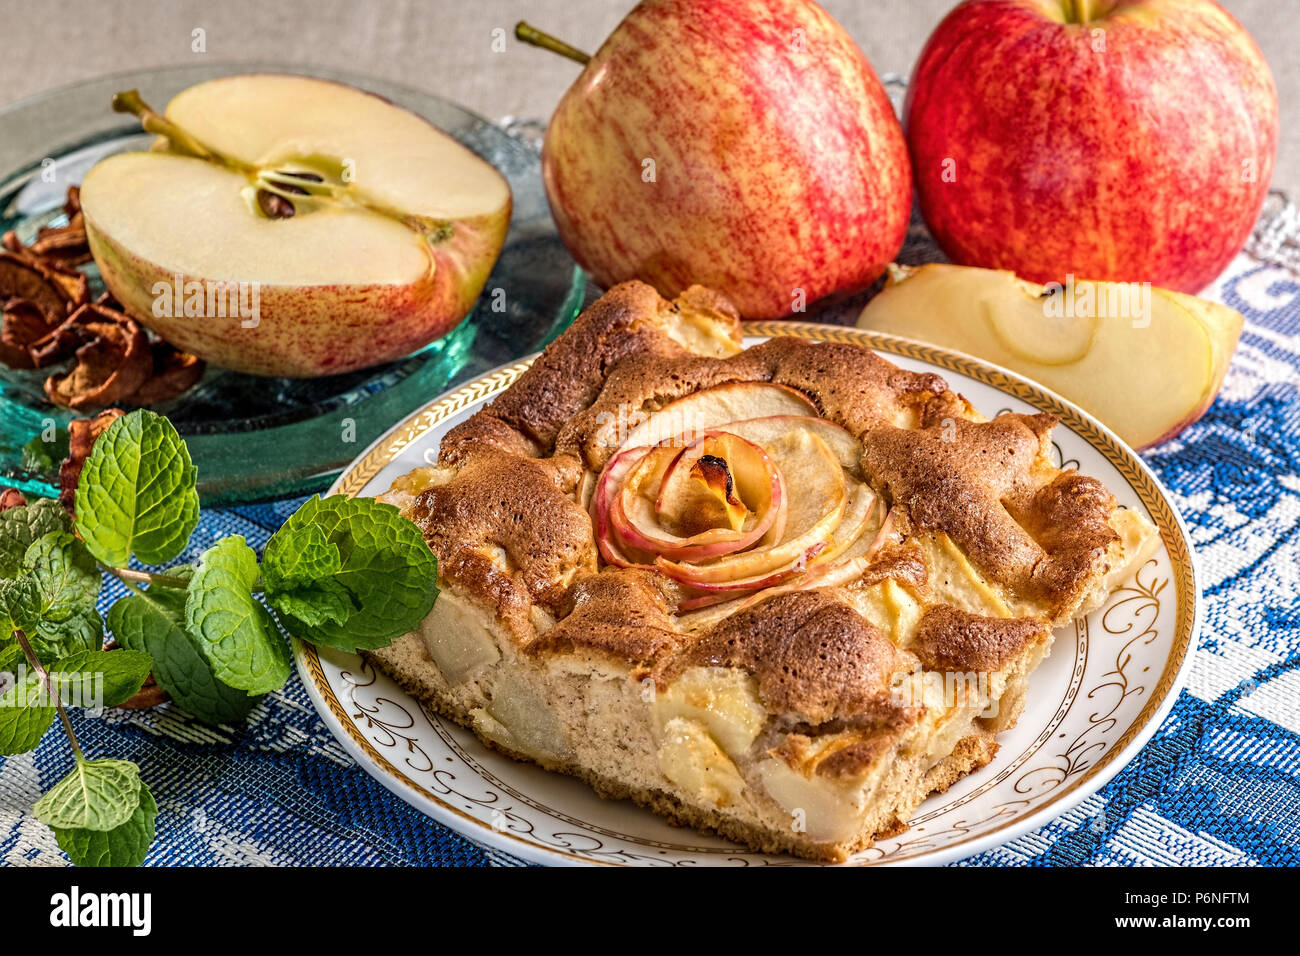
{"points": [[607, 488], [291, 226], [1147, 362]]}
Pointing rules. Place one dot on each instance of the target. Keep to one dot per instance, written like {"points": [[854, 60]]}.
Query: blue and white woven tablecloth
{"points": [[1219, 784]]}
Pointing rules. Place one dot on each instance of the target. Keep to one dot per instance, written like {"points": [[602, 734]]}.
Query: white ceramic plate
{"points": [[1092, 704]]}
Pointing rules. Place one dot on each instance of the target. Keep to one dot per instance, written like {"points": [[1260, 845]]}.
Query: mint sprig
{"points": [[351, 573]]}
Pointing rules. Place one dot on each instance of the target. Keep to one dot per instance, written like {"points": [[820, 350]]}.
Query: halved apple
{"points": [[1147, 362], [363, 231]]}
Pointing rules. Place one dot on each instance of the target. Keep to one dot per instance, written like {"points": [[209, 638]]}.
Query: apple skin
{"points": [[308, 331], [1127, 164], [776, 168]]}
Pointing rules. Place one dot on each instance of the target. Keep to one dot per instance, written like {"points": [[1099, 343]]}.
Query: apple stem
{"points": [[154, 122], [1080, 11], [530, 34]]}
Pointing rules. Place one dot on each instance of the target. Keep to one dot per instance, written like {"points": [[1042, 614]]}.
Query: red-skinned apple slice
{"points": [[700, 547], [849, 542], [708, 409], [812, 517], [611, 478], [757, 485], [764, 431], [705, 609], [718, 593]]}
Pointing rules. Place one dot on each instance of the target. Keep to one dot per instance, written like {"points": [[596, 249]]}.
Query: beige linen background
{"points": [[446, 46]]}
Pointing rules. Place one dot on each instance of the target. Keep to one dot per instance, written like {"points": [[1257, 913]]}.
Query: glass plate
{"points": [[255, 438]]}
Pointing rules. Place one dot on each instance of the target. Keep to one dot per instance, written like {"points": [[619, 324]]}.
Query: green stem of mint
{"points": [[51, 690], [133, 578], [128, 575]]}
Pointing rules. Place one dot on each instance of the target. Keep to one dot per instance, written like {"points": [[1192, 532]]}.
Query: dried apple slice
{"points": [[112, 360]]}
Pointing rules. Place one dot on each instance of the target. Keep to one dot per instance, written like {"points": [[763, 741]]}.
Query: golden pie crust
{"points": [[805, 719]]}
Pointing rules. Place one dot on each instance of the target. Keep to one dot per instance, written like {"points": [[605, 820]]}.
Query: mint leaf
{"points": [[325, 603], [26, 712], [10, 657], [235, 633], [103, 678], [307, 557], [154, 623], [21, 526], [97, 795], [20, 604], [124, 845], [385, 568], [44, 457], [81, 630], [68, 582], [300, 579], [137, 492], [64, 571]]}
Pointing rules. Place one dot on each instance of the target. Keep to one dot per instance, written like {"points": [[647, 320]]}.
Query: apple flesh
{"points": [[638, 520], [1109, 140], [388, 251], [745, 145], [693, 415], [1147, 376], [819, 500]]}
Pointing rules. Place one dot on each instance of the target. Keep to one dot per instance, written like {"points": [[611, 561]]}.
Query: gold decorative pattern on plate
{"points": [[1076, 760]]}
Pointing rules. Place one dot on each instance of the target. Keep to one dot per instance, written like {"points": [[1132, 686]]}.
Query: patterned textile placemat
{"points": [[1219, 784]]}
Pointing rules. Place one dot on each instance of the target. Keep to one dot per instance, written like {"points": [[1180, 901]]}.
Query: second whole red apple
{"points": [[745, 145], [1124, 140]]}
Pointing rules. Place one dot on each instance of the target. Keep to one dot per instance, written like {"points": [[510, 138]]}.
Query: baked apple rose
{"points": [[736, 490]]}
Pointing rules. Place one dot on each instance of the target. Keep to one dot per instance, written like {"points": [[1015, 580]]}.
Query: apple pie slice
{"points": [[782, 593]]}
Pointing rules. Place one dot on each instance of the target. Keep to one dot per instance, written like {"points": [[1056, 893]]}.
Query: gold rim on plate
{"points": [[354, 480]]}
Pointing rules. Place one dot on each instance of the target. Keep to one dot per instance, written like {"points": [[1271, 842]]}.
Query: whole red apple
{"points": [[1128, 140], [745, 145]]}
